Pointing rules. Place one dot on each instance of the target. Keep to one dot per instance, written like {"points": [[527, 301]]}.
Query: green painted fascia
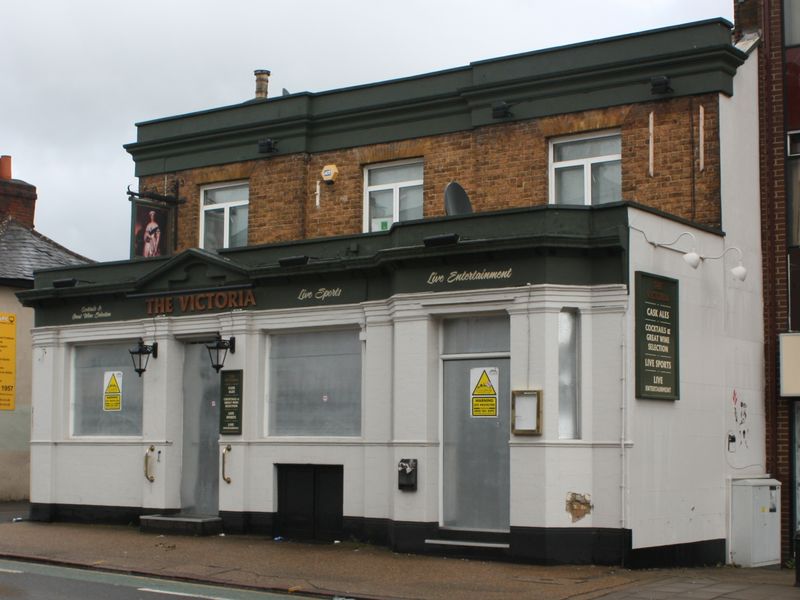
{"points": [[698, 58], [548, 228]]}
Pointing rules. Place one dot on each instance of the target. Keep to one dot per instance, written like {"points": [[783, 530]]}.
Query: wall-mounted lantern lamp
{"points": [[140, 355], [218, 351]]}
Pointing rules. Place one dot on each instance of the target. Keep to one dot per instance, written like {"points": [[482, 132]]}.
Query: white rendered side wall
{"points": [[741, 216], [681, 462]]}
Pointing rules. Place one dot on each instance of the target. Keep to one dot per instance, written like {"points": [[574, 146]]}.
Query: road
{"points": [[34, 581]]}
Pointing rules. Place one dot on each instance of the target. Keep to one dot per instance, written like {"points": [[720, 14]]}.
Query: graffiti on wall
{"points": [[740, 416]]}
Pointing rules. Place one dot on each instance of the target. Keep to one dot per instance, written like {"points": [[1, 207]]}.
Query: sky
{"points": [[76, 76]]}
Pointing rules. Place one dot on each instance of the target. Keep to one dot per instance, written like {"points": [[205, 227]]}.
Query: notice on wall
{"points": [[483, 383], [8, 361], [656, 337], [230, 414], [112, 391]]}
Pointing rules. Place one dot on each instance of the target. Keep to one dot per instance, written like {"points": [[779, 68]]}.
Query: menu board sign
{"points": [[230, 414], [656, 337]]}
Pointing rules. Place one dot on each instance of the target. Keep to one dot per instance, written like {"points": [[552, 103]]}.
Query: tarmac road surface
{"points": [[47, 582]]}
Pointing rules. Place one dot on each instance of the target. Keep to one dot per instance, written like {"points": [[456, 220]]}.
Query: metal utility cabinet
{"points": [[755, 522]]}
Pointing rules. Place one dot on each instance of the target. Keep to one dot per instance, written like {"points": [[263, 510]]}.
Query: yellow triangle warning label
{"points": [[113, 386], [484, 386]]}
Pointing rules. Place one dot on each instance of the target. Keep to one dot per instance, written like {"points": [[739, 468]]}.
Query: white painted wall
{"points": [[400, 416], [680, 466]]}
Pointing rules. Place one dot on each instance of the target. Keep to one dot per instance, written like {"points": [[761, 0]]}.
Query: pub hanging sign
{"points": [[657, 373]]}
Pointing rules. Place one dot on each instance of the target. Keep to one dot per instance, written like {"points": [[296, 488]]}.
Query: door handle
{"points": [[225, 452], [147, 454]]}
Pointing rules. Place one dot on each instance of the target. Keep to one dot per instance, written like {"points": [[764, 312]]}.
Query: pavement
{"points": [[362, 571]]}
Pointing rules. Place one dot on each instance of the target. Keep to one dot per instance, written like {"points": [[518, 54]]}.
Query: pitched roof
{"points": [[24, 250]]}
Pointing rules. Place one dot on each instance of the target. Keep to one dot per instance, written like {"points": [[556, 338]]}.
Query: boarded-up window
{"points": [[315, 384], [107, 396]]}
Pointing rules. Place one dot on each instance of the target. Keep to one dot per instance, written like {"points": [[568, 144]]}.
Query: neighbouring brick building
{"points": [[552, 361], [777, 22]]}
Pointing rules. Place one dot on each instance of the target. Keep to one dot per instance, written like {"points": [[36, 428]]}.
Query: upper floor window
{"points": [[392, 192], [586, 170], [223, 220], [791, 23]]}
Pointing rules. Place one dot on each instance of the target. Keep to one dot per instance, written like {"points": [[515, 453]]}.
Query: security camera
{"points": [[329, 174]]}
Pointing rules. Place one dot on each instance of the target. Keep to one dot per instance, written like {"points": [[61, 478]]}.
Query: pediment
{"points": [[192, 270]]}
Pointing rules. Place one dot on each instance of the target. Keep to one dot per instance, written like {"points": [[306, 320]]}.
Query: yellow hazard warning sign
{"points": [[484, 386], [484, 406], [483, 381], [8, 361], [112, 391]]}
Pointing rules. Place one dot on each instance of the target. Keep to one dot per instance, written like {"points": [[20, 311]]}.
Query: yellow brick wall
{"points": [[500, 166]]}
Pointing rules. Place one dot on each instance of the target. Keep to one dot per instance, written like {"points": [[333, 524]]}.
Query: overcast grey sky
{"points": [[76, 75]]}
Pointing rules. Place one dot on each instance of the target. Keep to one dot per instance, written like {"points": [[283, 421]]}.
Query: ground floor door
{"points": [[310, 500], [200, 462], [475, 456]]}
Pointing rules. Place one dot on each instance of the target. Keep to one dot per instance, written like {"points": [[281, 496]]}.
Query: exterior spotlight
{"points": [[218, 351], [442, 239], [660, 85], [267, 146], [739, 272], [501, 110], [692, 258], [140, 355], [294, 261]]}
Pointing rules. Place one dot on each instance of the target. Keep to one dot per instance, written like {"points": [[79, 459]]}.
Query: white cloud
{"points": [[77, 75]]}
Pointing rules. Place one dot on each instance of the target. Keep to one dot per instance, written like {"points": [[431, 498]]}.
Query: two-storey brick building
{"points": [[558, 363]]}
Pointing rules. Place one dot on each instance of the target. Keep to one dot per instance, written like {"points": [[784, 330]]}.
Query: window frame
{"points": [[586, 163], [569, 409], [225, 206], [396, 187], [73, 398], [268, 417]]}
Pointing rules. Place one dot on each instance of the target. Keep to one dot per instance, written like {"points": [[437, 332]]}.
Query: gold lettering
{"points": [[187, 303], [249, 298]]}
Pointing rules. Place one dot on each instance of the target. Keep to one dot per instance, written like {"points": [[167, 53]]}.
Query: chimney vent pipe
{"points": [[262, 83], [5, 167]]}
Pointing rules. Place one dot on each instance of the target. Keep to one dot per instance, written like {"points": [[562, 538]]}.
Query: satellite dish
{"points": [[456, 201], [285, 92]]}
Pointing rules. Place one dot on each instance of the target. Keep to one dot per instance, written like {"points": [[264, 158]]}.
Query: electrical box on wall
{"points": [[755, 522]]}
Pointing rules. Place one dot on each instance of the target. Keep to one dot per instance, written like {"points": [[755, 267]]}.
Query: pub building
{"points": [[510, 309]]}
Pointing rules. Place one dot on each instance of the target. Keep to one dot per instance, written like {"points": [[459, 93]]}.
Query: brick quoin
{"points": [[501, 166]]}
